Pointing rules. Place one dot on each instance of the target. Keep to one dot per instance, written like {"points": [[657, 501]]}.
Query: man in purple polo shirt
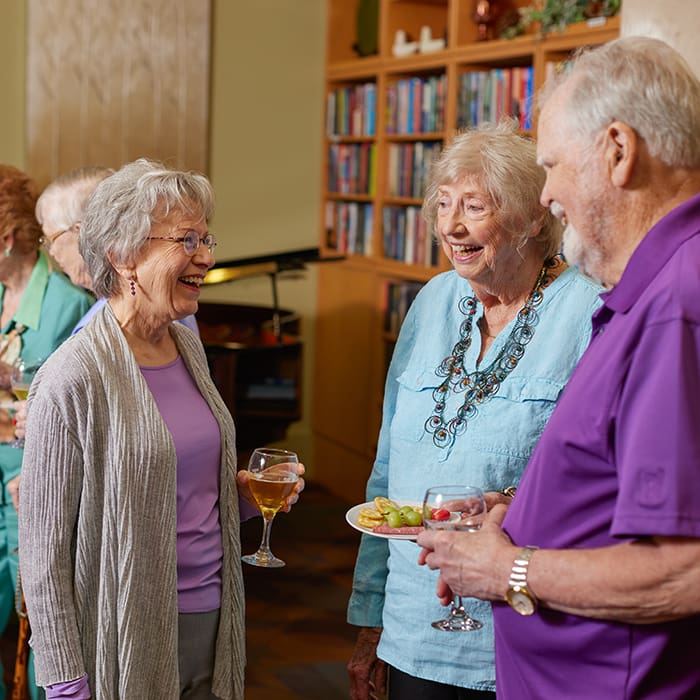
{"points": [[598, 556]]}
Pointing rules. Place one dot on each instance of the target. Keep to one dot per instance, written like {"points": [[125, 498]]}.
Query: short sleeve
{"points": [[657, 435]]}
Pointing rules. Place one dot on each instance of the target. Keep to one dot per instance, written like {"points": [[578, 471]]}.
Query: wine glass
{"points": [[273, 477], [454, 508], [21, 376]]}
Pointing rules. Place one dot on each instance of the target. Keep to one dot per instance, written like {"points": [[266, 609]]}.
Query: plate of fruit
{"points": [[382, 517]]}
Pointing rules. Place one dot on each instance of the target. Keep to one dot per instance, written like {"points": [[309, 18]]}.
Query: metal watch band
{"points": [[518, 574]]}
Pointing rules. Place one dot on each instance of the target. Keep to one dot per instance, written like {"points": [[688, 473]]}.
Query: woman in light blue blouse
{"points": [[480, 362]]}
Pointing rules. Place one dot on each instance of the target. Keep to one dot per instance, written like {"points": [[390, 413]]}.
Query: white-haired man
{"points": [[599, 553]]}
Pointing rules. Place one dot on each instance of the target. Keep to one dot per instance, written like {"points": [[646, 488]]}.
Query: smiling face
{"points": [[576, 189], [167, 278], [477, 245]]}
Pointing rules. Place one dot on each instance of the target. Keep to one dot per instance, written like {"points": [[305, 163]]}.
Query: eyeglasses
{"points": [[190, 241], [48, 241]]}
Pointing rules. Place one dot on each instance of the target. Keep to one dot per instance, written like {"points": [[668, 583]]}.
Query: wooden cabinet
{"points": [[387, 115]]}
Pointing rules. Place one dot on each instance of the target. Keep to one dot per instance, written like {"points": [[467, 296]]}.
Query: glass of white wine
{"points": [[455, 508], [273, 476], [23, 372]]}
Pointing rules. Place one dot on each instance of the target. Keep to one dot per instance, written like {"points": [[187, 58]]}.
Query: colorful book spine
{"points": [[351, 111], [349, 227]]}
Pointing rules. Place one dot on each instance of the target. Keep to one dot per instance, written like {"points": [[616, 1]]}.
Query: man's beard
{"points": [[586, 258], [576, 252]]}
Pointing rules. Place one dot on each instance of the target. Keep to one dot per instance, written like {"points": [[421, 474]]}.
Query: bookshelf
{"points": [[387, 115]]}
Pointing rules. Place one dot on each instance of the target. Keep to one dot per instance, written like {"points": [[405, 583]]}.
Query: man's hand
{"points": [[475, 564]]}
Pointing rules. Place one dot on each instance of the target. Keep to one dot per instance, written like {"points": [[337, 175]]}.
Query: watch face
{"points": [[521, 601]]}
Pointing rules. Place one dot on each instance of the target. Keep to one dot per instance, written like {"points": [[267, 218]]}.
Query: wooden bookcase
{"points": [[372, 174]]}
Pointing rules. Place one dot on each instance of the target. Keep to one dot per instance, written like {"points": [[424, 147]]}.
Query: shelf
{"points": [[591, 32], [496, 50], [351, 336], [407, 138], [356, 69]]}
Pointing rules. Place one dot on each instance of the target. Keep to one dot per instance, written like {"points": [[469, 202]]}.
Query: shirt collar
{"points": [[653, 252], [29, 309]]}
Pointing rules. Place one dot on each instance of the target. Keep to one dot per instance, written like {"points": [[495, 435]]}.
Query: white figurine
{"points": [[427, 44], [402, 47]]}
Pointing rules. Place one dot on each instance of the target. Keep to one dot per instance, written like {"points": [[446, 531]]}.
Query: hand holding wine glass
{"points": [[455, 508], [21, 376], [273, 476]]}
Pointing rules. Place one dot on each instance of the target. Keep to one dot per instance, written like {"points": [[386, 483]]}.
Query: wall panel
{"points": [[109, 81]]}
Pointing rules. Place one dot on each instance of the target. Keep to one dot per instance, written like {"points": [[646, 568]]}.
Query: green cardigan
{"points": [[98, 523]]}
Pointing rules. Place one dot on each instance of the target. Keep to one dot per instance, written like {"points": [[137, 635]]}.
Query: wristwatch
{"points": [[518, 596]]}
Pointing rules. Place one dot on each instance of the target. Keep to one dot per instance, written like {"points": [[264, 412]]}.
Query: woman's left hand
{"points": [[20, 418], [495, 498], [243, 478]]}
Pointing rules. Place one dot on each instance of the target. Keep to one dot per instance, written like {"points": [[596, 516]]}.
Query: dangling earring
{"points": [[132, 287], [8, 252]]}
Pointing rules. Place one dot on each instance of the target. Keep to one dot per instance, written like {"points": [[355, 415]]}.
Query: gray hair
{"points": [[123, 209], [62, 203], [642, 82], [504, 164]]}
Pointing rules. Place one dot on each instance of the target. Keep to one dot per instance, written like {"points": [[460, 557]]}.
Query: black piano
{"points": [[255, 352]]}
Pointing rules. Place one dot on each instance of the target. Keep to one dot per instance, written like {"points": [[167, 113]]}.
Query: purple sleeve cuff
{"points": [[246, 510], [77, 689]]}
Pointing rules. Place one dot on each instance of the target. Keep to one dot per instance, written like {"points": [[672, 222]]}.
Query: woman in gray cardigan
{"points": [[129, 503]]}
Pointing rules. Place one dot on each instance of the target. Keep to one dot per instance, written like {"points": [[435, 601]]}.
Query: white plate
{"points": [[352, 515]]}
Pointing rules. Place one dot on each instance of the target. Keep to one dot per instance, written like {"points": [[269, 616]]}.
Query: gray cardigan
{"points": [[97, 523]]}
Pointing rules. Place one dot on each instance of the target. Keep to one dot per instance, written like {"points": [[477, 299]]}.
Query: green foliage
{"points": [[555, 15]]}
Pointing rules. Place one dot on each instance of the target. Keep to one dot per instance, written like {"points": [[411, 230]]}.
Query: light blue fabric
{"points": [[189, 321], [396, 593]]}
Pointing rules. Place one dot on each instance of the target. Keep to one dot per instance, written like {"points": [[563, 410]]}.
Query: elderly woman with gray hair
{"points": [[482, 358], [129, 506]]}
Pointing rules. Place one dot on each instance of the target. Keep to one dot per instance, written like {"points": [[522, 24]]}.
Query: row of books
{"points": [[408, 166], [349, 227], [399, 297], [416, 105], [405, 236], [487, 96], [352, 168], [351, 111]]}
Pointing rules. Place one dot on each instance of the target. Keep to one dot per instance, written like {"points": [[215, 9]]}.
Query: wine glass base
{"points": [[457, 624], [270, 562]]}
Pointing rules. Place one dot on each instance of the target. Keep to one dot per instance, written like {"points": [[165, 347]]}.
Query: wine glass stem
{"points": [[457, 609], [264, 549]]}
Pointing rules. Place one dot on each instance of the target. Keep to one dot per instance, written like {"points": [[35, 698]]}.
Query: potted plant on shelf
{"points": [[556, 15]]}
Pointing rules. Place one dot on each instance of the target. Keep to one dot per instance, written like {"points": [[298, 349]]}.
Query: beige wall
{"points": [[265, 142], [266, 120], [12, 54], [675, 21]]}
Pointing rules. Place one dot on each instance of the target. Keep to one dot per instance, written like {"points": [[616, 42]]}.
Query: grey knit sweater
{"points": [[98, 523]]}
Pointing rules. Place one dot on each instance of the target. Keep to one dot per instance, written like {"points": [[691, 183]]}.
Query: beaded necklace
{"points": [[481, 385]]}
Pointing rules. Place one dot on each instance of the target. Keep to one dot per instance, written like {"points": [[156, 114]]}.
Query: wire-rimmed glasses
{"points": [[48, 241], [190, 241]]}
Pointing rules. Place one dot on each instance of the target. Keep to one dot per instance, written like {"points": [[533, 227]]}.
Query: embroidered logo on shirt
{"points": [[650, 491]]}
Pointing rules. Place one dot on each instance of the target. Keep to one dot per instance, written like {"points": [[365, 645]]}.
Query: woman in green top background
{"points": [[39, 307]]}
